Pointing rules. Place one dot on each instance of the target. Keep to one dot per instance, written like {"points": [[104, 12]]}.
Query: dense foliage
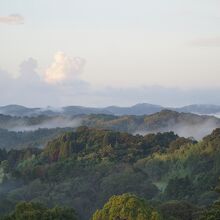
{"points": [[84, 168], [36, 211], [127, 207], [23, 139], [173, 210]]}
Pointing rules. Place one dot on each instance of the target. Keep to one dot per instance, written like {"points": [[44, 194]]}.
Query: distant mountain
{"points": [[139, 109], [80, 110], [20, 111], [17, 110], [200, 109]]}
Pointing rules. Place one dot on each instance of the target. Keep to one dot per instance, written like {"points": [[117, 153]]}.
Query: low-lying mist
{"points": [[184, 129], [185, 125], [57, 122]]}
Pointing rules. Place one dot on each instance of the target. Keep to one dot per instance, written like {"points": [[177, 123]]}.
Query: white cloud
{"points": [[63, 68], [12, 19], [28, 89]]}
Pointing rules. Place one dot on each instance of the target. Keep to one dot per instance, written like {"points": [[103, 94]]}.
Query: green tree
{"points": [[36, 211], [126, 207]]}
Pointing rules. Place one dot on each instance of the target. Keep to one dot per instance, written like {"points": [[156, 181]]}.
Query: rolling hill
{"points": [[184, 124]]}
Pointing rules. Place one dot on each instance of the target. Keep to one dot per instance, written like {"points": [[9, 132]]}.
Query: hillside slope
{"points": [[82, 169]]}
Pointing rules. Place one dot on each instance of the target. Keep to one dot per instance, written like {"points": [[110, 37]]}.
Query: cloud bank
{"points": [[61, 84], [13, 19], [57, 85]]}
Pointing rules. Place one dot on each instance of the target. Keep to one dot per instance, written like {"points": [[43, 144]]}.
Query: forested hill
{"points": [[83, 169], [23, 139], [110, 144], [183, 124]]}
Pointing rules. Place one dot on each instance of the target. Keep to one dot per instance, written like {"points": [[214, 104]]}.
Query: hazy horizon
{"points": [[56, 107], [101, 53]]}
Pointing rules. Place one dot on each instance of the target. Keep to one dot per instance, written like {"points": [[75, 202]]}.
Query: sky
{"points": [[101, 52]]}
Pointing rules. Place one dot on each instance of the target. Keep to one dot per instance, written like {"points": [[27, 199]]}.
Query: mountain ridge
{"points": [[137, 109]]}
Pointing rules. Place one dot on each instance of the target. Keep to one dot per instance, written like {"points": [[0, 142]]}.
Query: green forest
{"points": [[92, 173], [109, 110]]}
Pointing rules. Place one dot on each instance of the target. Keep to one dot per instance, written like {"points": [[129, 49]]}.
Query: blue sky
{"points": [[80, 49]]}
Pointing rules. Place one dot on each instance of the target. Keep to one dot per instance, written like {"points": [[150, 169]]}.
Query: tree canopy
{"points": [[36, 211], [126, 207]]}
